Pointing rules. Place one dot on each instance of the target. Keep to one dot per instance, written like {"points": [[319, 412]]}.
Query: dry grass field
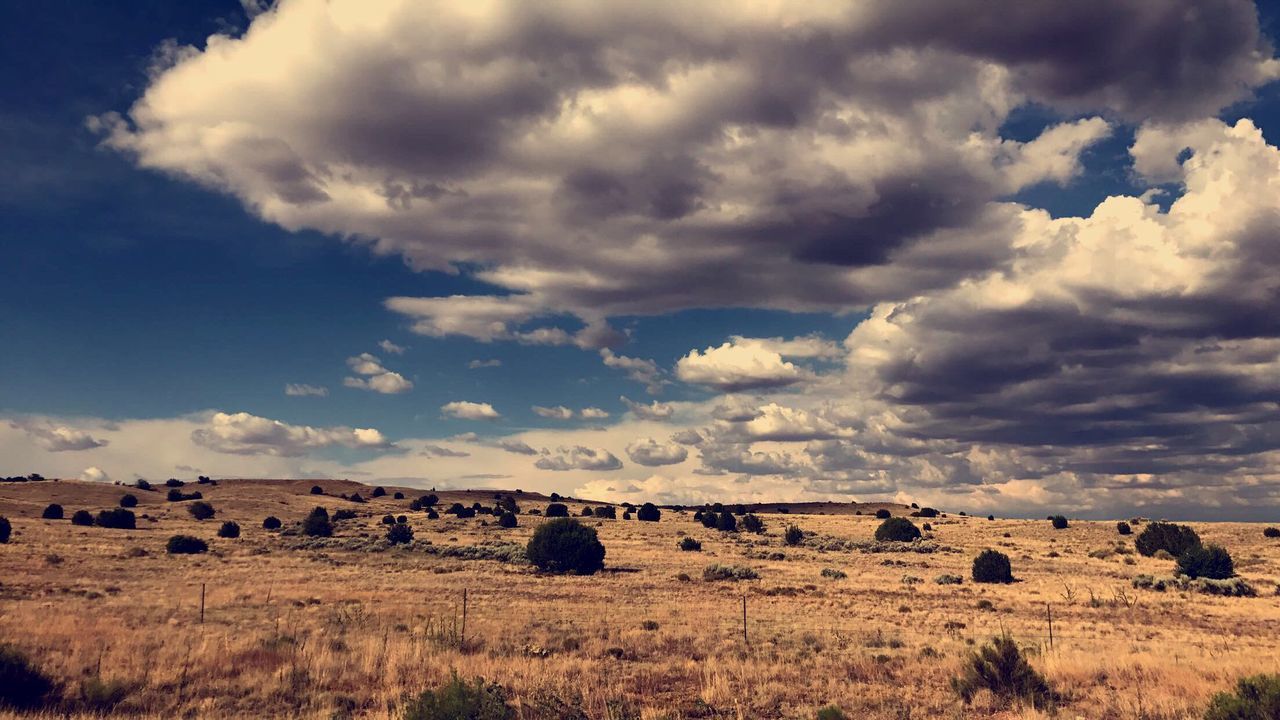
{"points": [[346, 627]]}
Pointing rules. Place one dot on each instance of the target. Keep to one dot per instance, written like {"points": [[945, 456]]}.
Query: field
{"points": [[345, 627]]}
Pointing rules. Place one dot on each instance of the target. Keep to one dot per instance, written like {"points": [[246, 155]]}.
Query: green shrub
{"points": [[52, 512], [897, 529], [271, 522], [1256, 698], [317, 524], [1173, 539], [117, 518], [229, 530], [399, 534], [726, 522], [752, 523], [459, 700], [606, 511], [834, 574], [507, 520], [793, 536], [566, 545], [1001, 669], [1210, 561], [1123, 528], [102, 696], [6, 529], [82, 517], [344, 514], [831, 712], [23, 685], [128, 500], [945, 579], [1059, 522], [1271, 532], [882, 514], [716, 571], [649, 513], [557, 510], [688, 544], [186, 545], [992, 566], [201, 510]]}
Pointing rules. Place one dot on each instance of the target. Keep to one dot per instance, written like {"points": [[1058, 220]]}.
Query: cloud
{"points": [[94, 474], [304, 390], [651, 453], [808, 346], [593, 413], [488, 318], [653, 411], [732, 367], [440, 451], [465, 410], [638, 369], [58, 438], [245, 434], [375, 377], [390, 348], [578, 457], [517, 447], [477, 364], [558, 412]]}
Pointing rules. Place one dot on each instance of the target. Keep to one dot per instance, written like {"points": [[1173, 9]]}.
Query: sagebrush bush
{"points": [[1059, 522], [23, 685], [82, 517], [271, 522], [831, 712], [433, 515], [897, 529], [1271, 532], [459, 700], [726, 522], [201, 510], [128, 500], [688, 544], [752, 523], [557, 510], [52, 512], [1123, 528], [186, 545], [344, 514], [398, 495], [992, 566], [1206, 561], [229, 530], [507, 520], [566, 545], [317, 524], [928, 512], [1173, 539], [117, 518], [102, 696], [793, 535], [716, 571], [400, 534], [388, 520], [1001, 669], [1256, 697], [6, 529], [649, 513], [834, 574], [881, 514]]}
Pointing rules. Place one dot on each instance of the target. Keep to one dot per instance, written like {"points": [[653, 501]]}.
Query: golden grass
{"points": [[332, 633]]}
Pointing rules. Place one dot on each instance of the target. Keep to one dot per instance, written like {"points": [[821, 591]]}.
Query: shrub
{"points": [[716, 571], [927, 527], [726, 522], [606, 511], [557, 510], [1271, 532], [317, 524], [648, 512], [388, 520], [991, 517], [317, 490], [185, 545], [398, 496], [344, 514], [52, 512], [834, 574], [229, 530], [1001, 669], [378, 492], [1210, 561], [433, 515], [201, 510], [507, 520], [271, 523], [117, 518], [945, 579], [102, 696], [688, 544], [752, 523], [355, 498], [566, 545], [82, 517], [128, 501], [459, 700], [6, 529], [882, 514], [586, 511], [708, 519], [142, 484], [831, 712], [400, 534], [992, 566], [1123, 528], [897, 529], [173, 483], [402, 519], [466, 513], [793, 535], [23, 685], [928, 512], [1173, 539], [1256, 698], [1059, 522]]}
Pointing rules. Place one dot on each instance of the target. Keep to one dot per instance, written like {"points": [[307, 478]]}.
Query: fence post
{"points": [[462, 636], [1048, 611], [201, 603], [744, 621]]}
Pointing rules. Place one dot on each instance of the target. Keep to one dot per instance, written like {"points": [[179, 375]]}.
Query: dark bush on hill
{"points": [[400, 534], [6, 529], [433, 515], [881, 514], [507, 520], [1123, 528], [117, 518], [752, 523], [317, 524], [465, 513], [52, 512], [82, 517], [142, 484], [24, 687], [229, 530], [1173, 539], [992, 566], [1271, 532], [1059, 522], [793, 536], [344, 514], [1207, 561], [388, 520], [557, 510], [928, 512], [378, 492], [317, 490], [271, 523], [201, 510], [688, 544], [173, 483], [566, 545], [606, 511], [1001, 669], [128, 501], [726, 522], [186, 545], [398, 496], [649, 513], [897, 529]]}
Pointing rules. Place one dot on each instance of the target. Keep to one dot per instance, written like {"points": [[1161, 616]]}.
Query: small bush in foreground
{"points": [[201, 510], [688, 544], [185, 545], [271, 522], [1210, 561], [317, 524], [1256, 698], [117, 518], [1001, 669], [399, 534], [717, 571], [52, 512], [6, 529], [1271, 532], [82, 518], [897, 529], [1173, 539], [1059, 522], [566, 545], [831, 712], [1123, 528], [992, 566], [459, 700], [229, 530], [23, 686]]}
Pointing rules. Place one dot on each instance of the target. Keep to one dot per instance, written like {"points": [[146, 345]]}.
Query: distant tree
{"points": [[398, 496], [271, 523], [992, 566], [1059, 522], [726, 522], [201, 510], [709, 518], [186, 545], [1173, 539], [882, 513], [52, 512], [606, 511], [648, 512], [566, 545], [928, 512], [399, 534], [897, 529], [378, 492], [229, 530], [128, 501], [586, 511], [1123, 528], [388, 520], [793, 536], [173, 483], [117, 518], [557, 510], [1271, 532], [317, 524], [6, 529], [82, 518], [507, 520], [142, 484], [317, 490], [1208, 561], [429, 500], [752, 523]]}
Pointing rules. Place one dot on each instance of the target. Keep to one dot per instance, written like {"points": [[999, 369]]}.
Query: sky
{"points": [[1004, 257]]}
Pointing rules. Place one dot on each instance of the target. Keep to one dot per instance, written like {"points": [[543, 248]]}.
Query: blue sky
{"points": [[152, 279]]}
